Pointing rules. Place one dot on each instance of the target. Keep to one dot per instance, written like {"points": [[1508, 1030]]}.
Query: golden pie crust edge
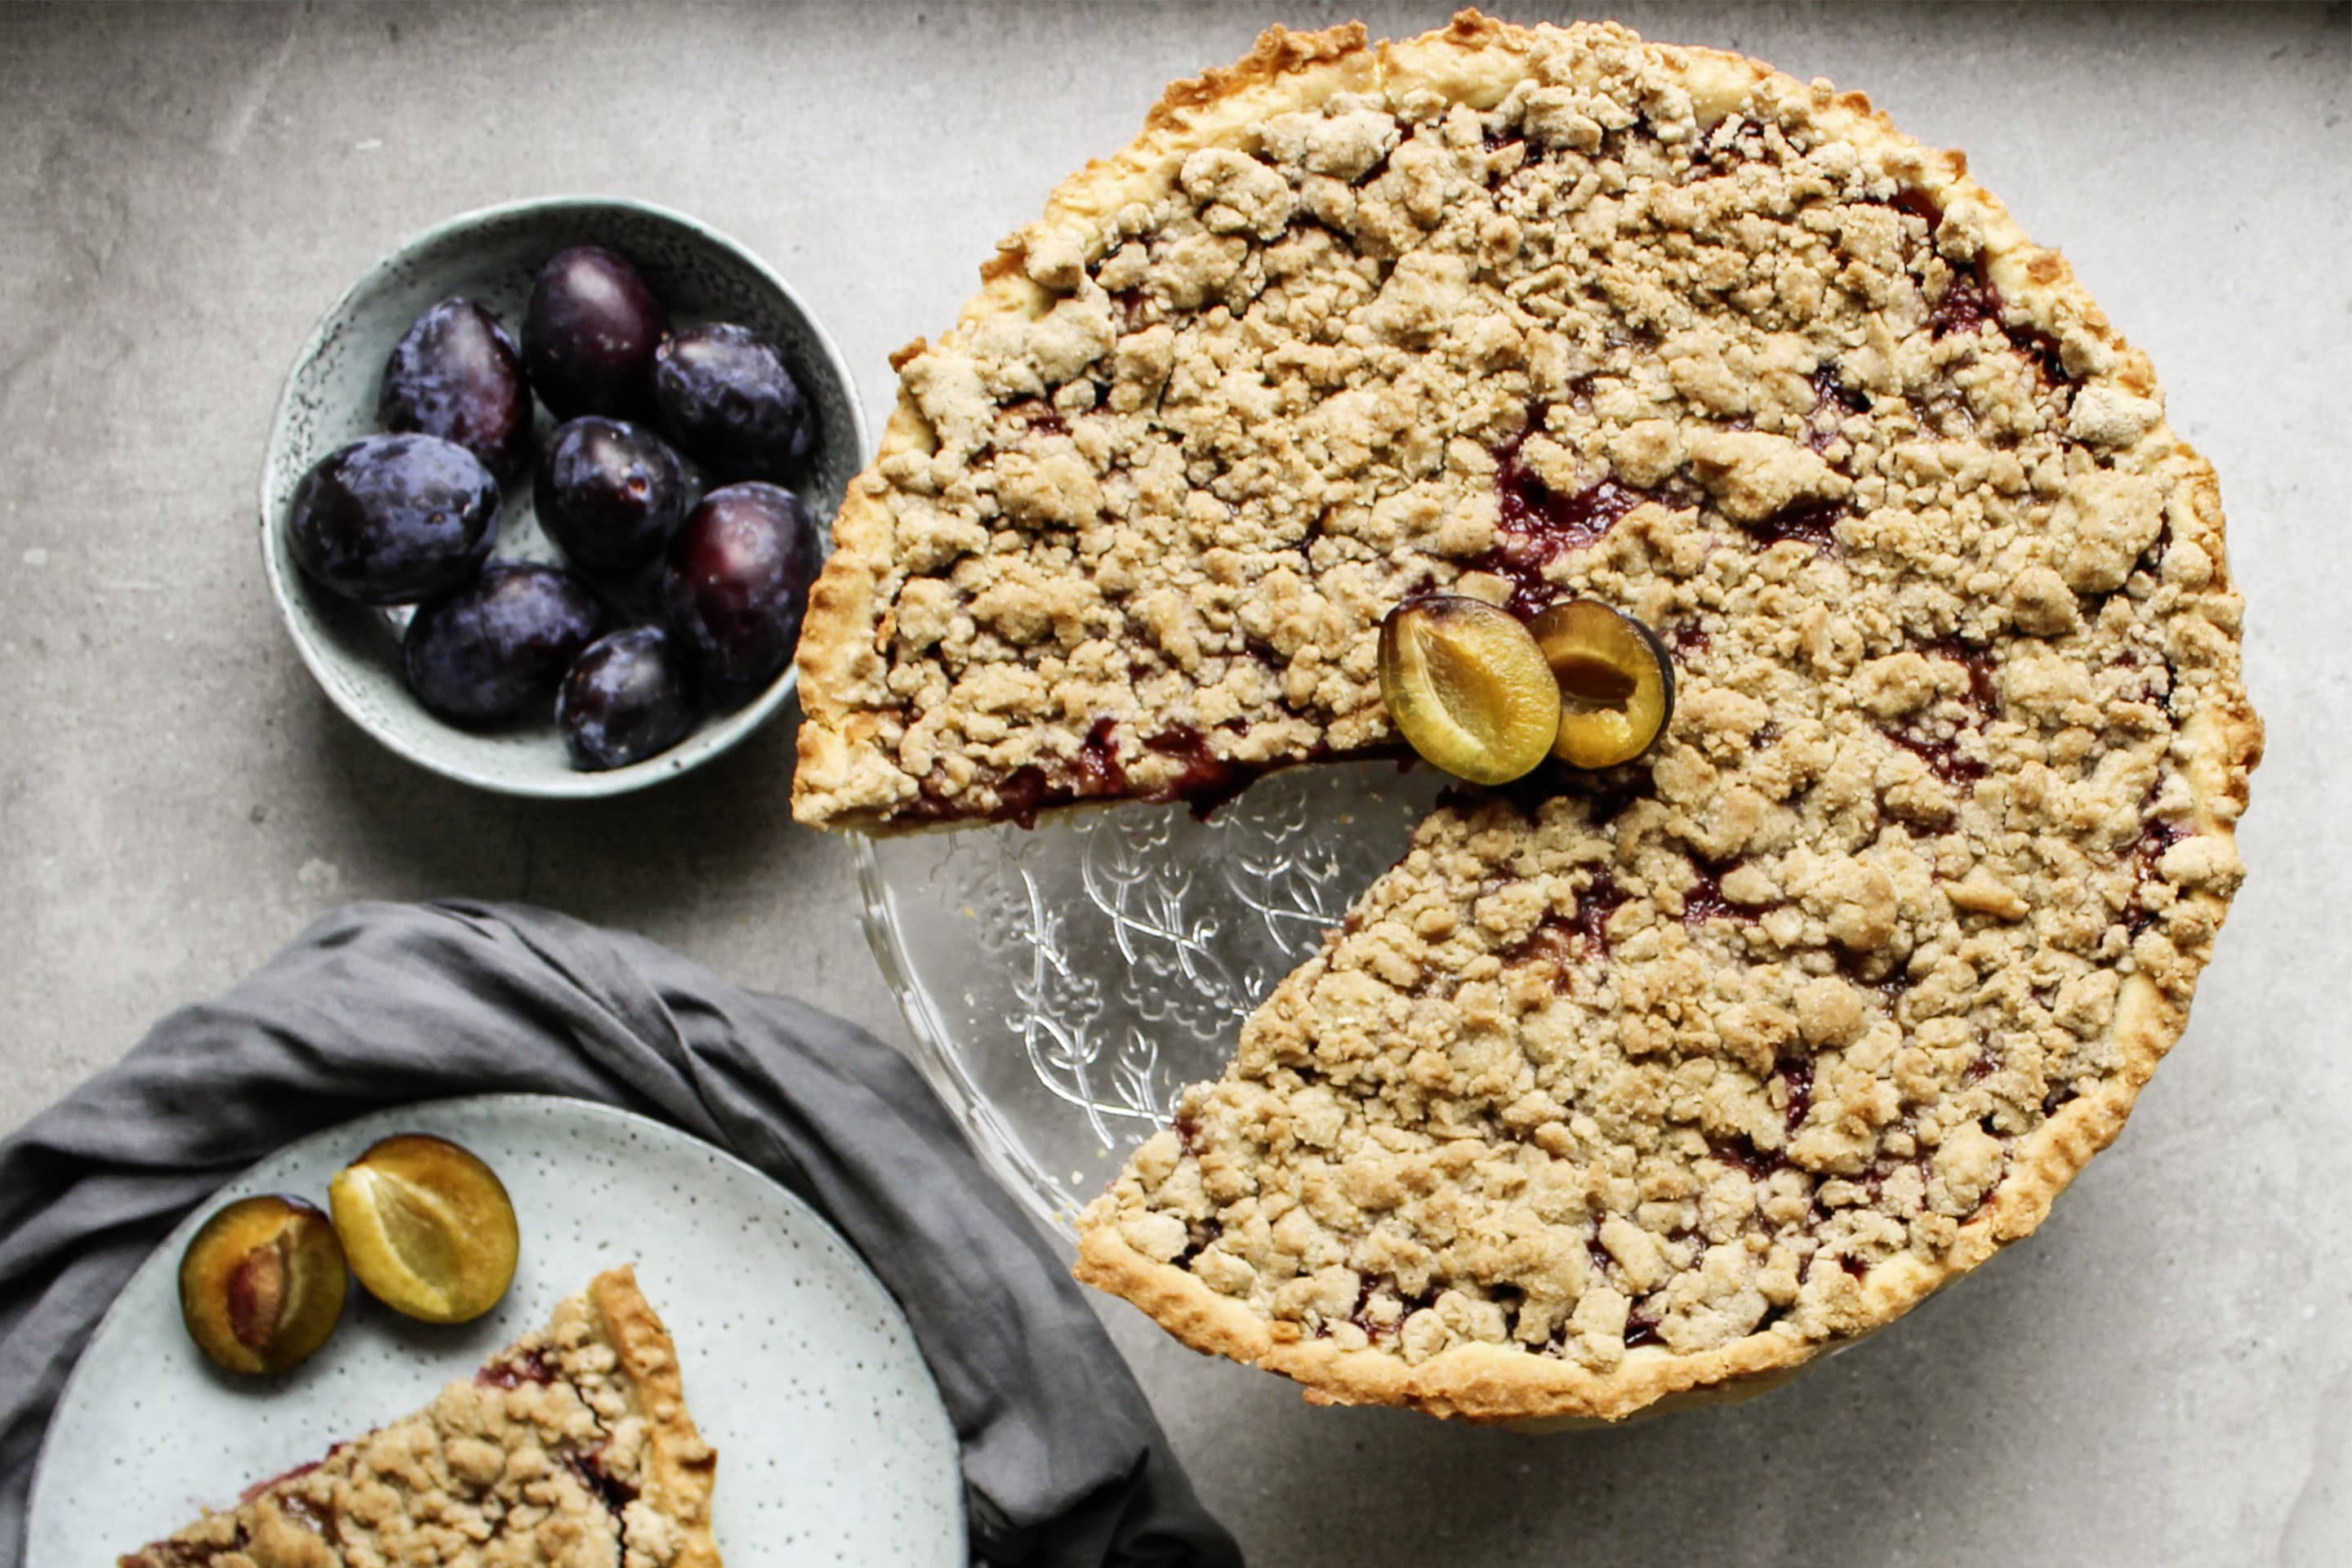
{"points": [[680, 1465], [1477, 60]]}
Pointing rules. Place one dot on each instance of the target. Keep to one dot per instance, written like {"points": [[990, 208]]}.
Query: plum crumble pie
{"points": [[570, 1448], [1624, 1087]]}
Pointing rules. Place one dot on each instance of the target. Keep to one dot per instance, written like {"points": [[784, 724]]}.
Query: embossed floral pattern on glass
{"points": [[1063, 983]]}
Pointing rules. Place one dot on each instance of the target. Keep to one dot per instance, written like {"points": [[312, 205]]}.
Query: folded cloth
{"points": [[384, 1004]]}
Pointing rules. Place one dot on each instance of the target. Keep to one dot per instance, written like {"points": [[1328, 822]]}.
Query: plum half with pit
{"points": [[497, 648], [629, 697], [589, 334], [262, 1284], [1616, 682], [389, 519], [728, 399], [455, 375], [610, 493], [738, 582]]}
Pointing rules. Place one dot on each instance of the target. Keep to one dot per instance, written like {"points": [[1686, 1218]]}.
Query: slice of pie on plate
{"points": [[570, 1448], [1619, 1089]]}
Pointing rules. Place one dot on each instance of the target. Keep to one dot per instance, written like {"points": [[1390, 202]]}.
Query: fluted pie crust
{"points": [[571, 1448], [1624, 1091]]}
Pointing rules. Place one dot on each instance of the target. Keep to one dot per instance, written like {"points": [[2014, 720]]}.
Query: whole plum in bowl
{"points": [[428, 341]]}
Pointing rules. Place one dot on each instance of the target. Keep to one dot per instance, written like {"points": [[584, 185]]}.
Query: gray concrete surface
{"points": [[2163, 1376]]}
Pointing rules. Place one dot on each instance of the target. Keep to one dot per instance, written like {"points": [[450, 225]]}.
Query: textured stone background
{"points": [[2163, 1376]]}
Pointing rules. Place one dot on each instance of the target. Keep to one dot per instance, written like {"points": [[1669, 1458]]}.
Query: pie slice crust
{"points": [[1626, 1090], [570, 1448]]}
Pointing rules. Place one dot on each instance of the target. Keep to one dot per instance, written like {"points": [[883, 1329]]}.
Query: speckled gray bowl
{"points": [[490, 257]]}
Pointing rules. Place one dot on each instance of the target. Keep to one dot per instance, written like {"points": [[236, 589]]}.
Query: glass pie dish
{"points": [[1063, 981]]}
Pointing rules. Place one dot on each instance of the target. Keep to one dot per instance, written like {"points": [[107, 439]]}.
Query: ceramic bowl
{"points": [[490, 257]]}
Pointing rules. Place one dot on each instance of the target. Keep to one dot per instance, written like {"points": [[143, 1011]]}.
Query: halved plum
{"points": [[429, 1227], [1615, 679], [1468, 686], [261, 1285]]}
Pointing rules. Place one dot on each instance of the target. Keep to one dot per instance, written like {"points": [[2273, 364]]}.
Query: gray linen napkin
{"points": [[385, 1004]]}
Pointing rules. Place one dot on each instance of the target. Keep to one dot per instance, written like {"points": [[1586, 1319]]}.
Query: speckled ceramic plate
{"points": [[832, 1445], [490, 257]]}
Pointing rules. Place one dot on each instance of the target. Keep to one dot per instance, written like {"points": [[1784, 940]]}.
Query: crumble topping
{"points": [[537, 1462], [1580, 341], [1676, 1055]]}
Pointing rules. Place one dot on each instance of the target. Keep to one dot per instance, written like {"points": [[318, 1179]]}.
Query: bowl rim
{"points": [[716, 737]]}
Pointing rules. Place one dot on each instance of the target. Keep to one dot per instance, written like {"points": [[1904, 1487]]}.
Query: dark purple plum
{"points": [[589, 335], [610, 493], [738, 581], [729, 404], [455, 375], [390, 519], [628, 697], [498, 648]]}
